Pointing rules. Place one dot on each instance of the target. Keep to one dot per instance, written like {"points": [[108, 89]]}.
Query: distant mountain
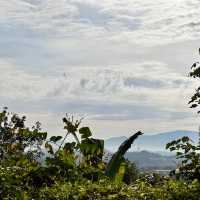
{"points": [[153, 143], [147, 161], [152, 161]]}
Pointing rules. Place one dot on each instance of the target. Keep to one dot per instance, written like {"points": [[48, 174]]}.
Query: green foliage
{"points": [[105, 190], [25, 175], [117, 159], [188, 153], [76, 170], [131, 173], [15, 138], [85, 132], [195, 73], [55, 138], [49, 148]]}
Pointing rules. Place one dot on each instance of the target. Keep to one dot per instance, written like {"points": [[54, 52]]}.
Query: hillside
{"points": [[152, 161]]}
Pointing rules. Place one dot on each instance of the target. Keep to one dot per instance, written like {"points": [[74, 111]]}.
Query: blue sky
{"points": [[121, 64]]}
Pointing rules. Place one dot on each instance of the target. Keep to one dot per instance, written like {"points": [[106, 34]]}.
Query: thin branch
{"points": [[62, 142]]}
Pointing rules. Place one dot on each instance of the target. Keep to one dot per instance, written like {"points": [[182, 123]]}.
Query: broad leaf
{"points": [[85, 132], [116, 160], [55, 138]]}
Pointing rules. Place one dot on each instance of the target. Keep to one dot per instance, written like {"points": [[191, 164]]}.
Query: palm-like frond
{"points": [[117, 158]]}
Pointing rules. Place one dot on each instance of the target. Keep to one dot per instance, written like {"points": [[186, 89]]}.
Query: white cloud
{"points": [[109, 59], [142, 22], [116, 89]]}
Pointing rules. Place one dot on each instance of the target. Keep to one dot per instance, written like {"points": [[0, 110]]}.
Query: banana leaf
{"points": [[117, 158]]}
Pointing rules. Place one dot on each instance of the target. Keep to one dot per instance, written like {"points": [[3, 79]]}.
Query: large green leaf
{"points": [[55, 138], [117, 158], [92, 150], [85, 132]]}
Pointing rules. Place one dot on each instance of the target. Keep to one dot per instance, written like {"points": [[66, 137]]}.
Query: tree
{"points": [[195, 73], [18, 140], [189, 155], [185, 149], [20, 149]]}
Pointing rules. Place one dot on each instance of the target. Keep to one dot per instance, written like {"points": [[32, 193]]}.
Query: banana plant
{"points": [[117, 159]]}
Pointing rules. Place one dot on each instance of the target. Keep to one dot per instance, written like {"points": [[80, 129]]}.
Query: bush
{"points": [[105, 190]]}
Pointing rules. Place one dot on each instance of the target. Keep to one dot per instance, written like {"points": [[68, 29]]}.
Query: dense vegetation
{"points": [[34, 166]]}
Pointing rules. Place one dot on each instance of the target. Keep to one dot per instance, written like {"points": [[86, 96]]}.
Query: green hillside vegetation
{"points": [[76, 170]]}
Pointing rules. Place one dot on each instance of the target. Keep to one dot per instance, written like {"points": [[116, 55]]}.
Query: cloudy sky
{"points": [[122, 64]]}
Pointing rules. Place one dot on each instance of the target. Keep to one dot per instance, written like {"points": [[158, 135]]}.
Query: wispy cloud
{"points": [[149, 92], [141, 22], [109, 59]]}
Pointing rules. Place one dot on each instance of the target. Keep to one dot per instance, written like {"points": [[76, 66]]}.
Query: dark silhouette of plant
{"points": [[195, 73]]}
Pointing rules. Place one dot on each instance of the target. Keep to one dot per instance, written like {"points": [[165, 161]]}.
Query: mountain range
{"points": [[153, 143], [148, 151], [146, 161]]}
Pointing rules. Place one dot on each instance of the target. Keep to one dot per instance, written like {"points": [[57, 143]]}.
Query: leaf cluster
{"points": [[188, 153], [195, 73]]}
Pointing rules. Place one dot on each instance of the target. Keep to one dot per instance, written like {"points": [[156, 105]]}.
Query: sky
{"points": [[122, 65]]}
